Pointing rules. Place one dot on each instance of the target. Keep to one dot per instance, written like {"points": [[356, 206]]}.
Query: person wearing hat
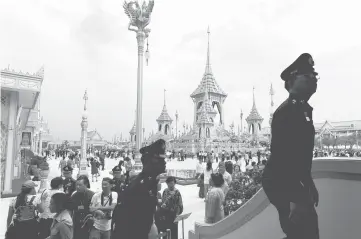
{"points": [[118, 181], [69, 181], [22, 221], [136, 216], [287, 179]]}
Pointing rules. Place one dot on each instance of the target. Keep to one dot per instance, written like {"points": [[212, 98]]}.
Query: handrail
{"points": [[335, 168]]}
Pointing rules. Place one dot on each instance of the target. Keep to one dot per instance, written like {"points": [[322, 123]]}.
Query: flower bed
{"points": [[240, 191]]}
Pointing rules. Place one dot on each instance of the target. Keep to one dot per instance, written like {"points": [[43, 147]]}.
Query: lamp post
{"points": [[176, 124], [139, 19], [84, 131]]}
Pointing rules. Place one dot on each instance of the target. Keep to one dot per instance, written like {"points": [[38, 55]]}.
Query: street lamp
{"points": [[139, 19], [84, 132]]}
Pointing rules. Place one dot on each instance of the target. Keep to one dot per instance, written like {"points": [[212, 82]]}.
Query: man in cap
{"points": [[69, 181], [287, 179], [118, 181], [136, 217]]}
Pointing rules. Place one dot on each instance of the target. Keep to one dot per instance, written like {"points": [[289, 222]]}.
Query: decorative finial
{"points": [[208, 64], [254, 101], [85, 98], [164, 96], [271, 92], [40, 72]]}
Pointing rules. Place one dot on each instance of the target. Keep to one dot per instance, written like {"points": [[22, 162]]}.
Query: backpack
{"points": [[26, 212]]}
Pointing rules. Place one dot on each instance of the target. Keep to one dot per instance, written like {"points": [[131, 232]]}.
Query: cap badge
{"points": [[311, 62]]}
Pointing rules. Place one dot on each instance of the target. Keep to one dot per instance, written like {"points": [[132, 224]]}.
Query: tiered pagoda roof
{"points": [[208, 80], [133, 130], [164, 116], [254, 115]]}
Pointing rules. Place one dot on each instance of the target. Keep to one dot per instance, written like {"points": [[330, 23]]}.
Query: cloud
{"points": [[85, 44]]}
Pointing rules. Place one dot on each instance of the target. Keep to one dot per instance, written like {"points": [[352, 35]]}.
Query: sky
{"points": [[85, 44]]}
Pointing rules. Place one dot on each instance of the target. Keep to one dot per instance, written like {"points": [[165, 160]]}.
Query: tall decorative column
{"points": [[176, 124], [271, 92], [139, 19], [241, 121], [40, 138], [10, 156], [36, 142], [84, 133]]}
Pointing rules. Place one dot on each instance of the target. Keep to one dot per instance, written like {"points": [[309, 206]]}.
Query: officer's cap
{"points": [[67, 169], [116, 169], [157, 148], [302, 65]]}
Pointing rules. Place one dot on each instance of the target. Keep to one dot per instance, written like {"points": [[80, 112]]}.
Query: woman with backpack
{"points": [[22, 217]]}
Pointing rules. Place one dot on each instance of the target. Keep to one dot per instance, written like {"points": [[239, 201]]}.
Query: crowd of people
{"points": [[71, 209]]}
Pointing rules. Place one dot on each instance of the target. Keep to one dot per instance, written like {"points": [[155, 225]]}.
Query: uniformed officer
{"points": [[287, 179], [69, 182], [119, 181], [136, 217]]}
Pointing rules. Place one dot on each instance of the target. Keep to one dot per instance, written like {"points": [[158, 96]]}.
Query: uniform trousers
{"points": [[307, 226]]}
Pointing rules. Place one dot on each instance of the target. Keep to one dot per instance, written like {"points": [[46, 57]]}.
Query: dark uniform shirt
{"points": [[119, 187], [69, 186], [138, 207], [291, 149]]}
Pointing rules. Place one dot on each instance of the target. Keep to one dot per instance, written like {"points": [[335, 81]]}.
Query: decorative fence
{"points": [[216, 147], [180, 173]]}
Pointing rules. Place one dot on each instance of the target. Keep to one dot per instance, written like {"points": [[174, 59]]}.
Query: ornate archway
{"points": [[166, 129], [217, 106]]}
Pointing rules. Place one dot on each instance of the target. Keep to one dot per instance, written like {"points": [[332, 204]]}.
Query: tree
{"points": [[327, 141], [351, 140]]}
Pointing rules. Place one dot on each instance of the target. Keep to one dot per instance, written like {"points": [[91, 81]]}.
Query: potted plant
{"points": [[43, 173], [34, 162]]}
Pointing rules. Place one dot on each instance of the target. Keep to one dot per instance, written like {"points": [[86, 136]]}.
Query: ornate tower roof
{"points": [[254, 115], [134, 130], [164, 116], [208, 80]]}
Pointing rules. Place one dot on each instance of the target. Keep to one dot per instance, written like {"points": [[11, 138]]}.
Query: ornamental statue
{"points": [[139, 15]]}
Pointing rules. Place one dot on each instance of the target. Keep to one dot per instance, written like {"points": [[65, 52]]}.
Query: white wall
{"points": [[339, 185]]}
